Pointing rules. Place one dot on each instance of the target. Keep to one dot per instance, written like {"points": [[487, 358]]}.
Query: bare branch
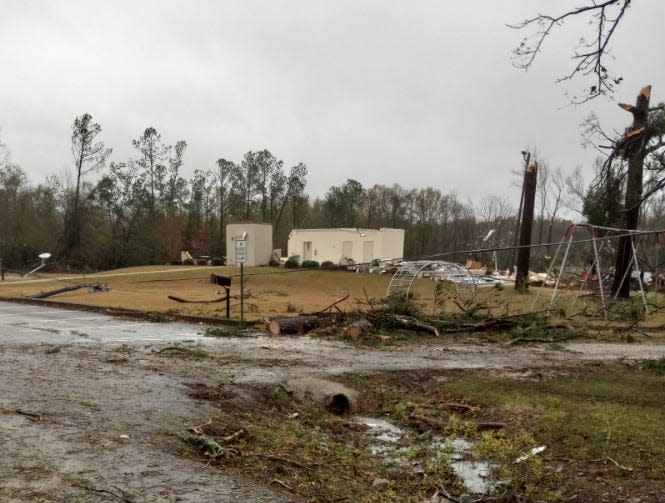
{"points": [[589, 56]]}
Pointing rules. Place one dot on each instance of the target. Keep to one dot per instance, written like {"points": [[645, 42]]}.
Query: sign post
{"points": [[241, 258]]}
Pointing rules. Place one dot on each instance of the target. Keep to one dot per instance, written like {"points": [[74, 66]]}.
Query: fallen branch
{"points": [[33, 416], [121, 497], [280, 483], [185, 301], [607, 458], [334, 304], [210, 446], [459, 406], [43, 295]]}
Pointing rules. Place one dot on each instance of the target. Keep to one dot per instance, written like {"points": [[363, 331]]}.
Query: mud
{"points": [[112, 405]]}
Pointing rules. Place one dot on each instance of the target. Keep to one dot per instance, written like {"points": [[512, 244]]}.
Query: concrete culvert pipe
{"points": [[335, 397]]}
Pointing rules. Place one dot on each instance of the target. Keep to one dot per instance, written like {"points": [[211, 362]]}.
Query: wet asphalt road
{"points": [[29, 324]]}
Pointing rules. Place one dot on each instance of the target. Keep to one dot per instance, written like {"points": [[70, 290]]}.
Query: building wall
{"points": [[392, 245], [361, 245], [259, 243]]}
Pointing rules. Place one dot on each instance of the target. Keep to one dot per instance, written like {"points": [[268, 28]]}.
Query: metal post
{"points": [[242, 292], [228, 301]]}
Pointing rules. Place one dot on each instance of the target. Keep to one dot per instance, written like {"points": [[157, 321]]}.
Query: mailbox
{"points": [[220, 280]]}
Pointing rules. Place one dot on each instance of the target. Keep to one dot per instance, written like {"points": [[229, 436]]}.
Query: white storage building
{"points": [[259, 243], [336, 245]]}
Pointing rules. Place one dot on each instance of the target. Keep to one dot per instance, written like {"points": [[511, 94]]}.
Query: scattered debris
{"points": [[532, 452]]}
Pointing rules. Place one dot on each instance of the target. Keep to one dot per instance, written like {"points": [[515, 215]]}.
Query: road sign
{"points": [[241, 251]]}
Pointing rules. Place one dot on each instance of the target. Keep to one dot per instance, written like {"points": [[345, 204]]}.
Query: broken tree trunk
{"points": [[524, 251], [43, 295], [632, 147], [298, 324]]}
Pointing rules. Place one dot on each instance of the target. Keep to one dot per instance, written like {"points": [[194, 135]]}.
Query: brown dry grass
{"points": [[268, 291]]}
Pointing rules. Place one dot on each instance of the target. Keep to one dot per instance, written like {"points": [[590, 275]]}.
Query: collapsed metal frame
{"points": [[403, 279], [595, 264]]}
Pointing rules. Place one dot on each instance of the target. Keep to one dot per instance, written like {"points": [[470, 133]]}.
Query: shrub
{"points": [[218, 261], [188, 261], [201, 261], [274, 263], [292, 263], [310, 264], [329, 265]]}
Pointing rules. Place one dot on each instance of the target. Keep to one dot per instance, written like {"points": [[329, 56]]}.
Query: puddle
{"points": [[385, 442], [384, 434], [473, 474]]}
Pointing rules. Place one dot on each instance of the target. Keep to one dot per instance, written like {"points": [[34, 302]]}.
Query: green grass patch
{"points": [[608, 412]]}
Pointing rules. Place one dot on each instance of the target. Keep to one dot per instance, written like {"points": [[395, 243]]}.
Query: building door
{"points": [[307, 250], [347, 249], [368, 251]]}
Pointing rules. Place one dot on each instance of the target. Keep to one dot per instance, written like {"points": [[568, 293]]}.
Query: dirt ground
{"points": [[97, 415], [98, 420]]}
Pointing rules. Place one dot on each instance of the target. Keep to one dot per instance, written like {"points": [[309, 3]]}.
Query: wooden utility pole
{"points": [[632, 147], [524, 252], [527, 158]]}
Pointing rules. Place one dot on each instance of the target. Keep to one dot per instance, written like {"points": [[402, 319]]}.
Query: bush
{"points": [[329, 265], [218, 261], [188, 261], [310, 264], [201, 261], [274, 263], [292, 263]]}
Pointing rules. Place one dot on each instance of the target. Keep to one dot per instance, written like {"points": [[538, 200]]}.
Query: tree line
{"points": [[143, 210]]}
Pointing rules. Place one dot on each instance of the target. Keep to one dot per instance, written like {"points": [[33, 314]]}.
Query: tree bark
{"points": [[298, 324], [633, 147]]}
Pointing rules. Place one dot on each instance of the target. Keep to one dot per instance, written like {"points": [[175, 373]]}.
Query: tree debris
{"points": [[185, 301]]}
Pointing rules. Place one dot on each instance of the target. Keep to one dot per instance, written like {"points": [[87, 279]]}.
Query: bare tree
{"points": [[592, 52], [89, 156]]}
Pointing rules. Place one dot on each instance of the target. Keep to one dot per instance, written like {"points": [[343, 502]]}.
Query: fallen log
{"points": [[43, 295], [298, 324], [185, 301], [410, 323], [356, 328]]}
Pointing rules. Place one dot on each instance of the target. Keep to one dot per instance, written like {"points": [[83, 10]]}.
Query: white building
{"points": [[336, 245], [258, 241]]}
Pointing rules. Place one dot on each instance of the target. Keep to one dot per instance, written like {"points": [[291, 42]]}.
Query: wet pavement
{"points": [[111, 406]]}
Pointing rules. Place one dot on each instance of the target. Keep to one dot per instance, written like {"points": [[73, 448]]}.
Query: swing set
{"points": [[600, 238]]}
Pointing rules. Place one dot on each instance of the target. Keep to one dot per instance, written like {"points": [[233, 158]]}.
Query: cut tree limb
{"points": [[298, 324]]}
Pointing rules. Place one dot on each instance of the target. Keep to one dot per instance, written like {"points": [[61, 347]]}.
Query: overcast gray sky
{"points": [[411, 92]]}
